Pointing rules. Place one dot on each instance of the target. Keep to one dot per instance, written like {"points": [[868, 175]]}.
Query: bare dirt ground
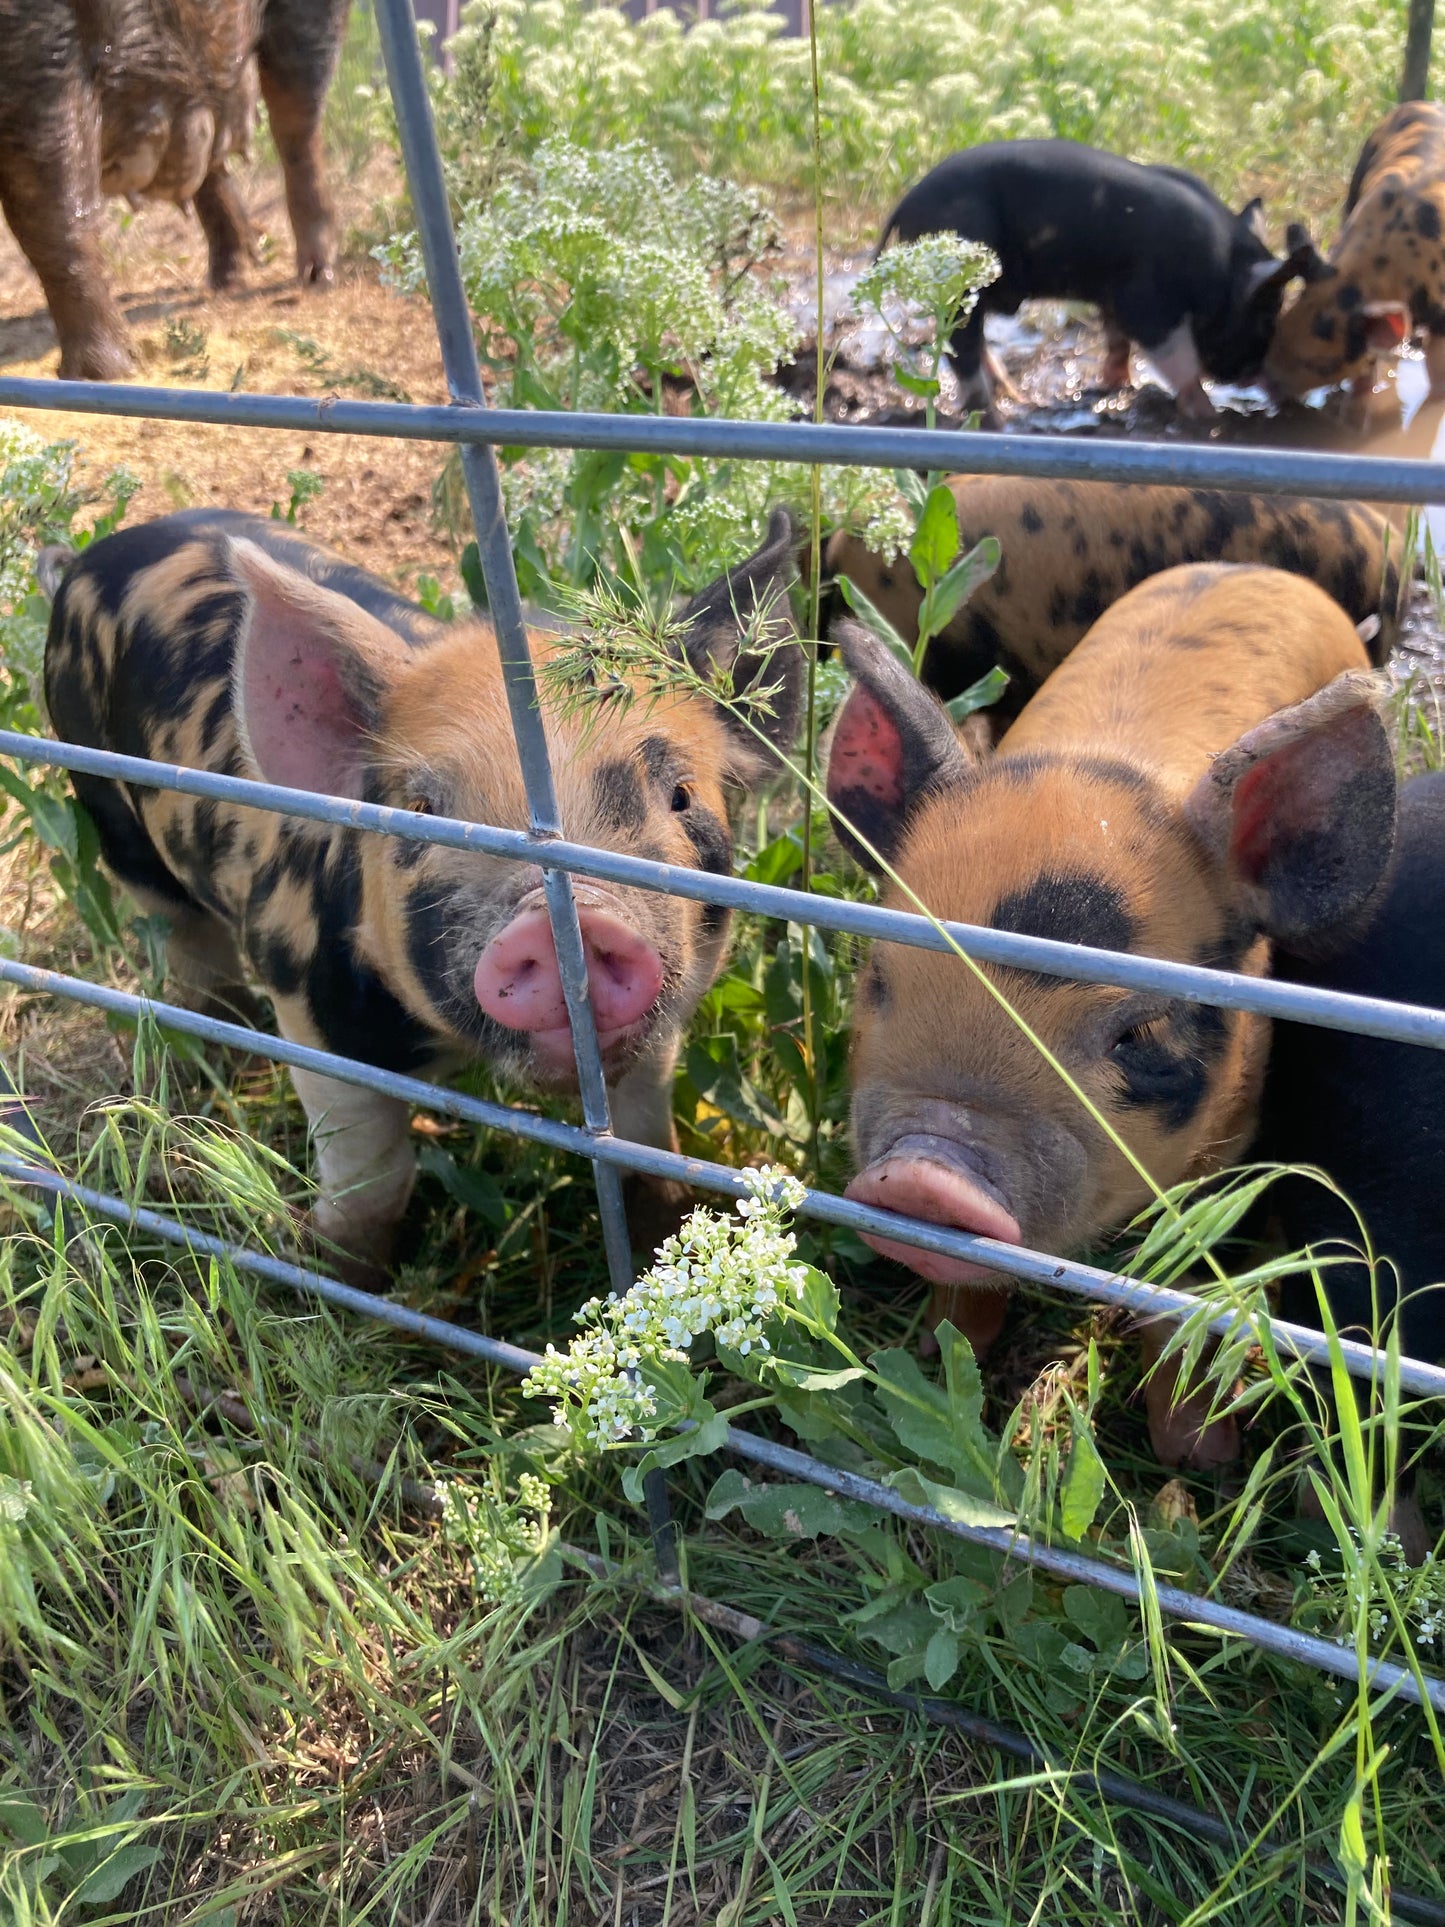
{"points": [[358, 339]]}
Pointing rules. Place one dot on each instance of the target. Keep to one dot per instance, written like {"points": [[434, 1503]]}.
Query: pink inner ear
{"points": [[867, 752], [302, 724], [1291, 792]]}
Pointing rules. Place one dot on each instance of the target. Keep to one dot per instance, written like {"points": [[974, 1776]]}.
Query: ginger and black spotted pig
{"points": [[1385, 275], [183, 640], [1205, 776], [1069, 550]]}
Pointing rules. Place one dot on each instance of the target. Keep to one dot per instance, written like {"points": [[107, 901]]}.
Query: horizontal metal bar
{"points": [[1031, 1267], [1270, 471], [1307, 1649], [1268, 997]]}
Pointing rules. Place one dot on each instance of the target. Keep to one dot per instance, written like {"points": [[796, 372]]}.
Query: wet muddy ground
{"points": [[1053, 355]]}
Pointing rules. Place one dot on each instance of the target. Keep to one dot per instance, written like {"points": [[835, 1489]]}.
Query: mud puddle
{"points": [[1053, 355]]}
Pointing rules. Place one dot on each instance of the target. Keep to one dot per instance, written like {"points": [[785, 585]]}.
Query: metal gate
{"points": [[478, 430]]}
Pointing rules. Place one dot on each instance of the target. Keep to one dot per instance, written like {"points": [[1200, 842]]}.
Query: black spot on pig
{"points": [[1073, 906], [620, 803], [1427, 220], [1030, 520]]}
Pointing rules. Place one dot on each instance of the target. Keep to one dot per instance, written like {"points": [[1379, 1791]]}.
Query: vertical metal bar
{"points": [[484, 489], [1415, 81]]}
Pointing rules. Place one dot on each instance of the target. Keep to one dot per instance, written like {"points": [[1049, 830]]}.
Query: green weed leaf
{"points": [[786, 1511], [982, 694], [1085, 1480], [940, 1659], [935, 541], [106, 1881], [874, 619]]}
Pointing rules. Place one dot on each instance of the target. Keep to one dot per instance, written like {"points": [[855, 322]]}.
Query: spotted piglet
{"points": [[1385, 276], [1069, 550], [1204, 776], [186, 641]]}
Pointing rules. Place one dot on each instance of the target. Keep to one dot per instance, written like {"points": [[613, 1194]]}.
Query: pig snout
{"points": [[518, 981], [942, 1181]]}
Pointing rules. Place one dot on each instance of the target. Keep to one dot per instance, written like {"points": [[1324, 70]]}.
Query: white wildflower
{"points": [[728, 1276]]}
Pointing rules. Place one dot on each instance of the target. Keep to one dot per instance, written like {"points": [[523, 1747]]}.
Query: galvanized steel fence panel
{"points": [[478, 430]]}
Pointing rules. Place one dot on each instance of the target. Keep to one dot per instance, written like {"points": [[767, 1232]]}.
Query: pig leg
{"points": [[1116, 357], [1180, 1428], [365, 1168], [297, 54], [975, 1310], [204, 970], [1177, 360], [642, 1111], [51, 199], [966, 357], [1435, 364], [226, 228]]}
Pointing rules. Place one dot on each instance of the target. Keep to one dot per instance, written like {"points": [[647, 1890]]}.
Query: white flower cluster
{"points": [[724, 1275], [939, 276], [1419, 1593], [501, 1537]]}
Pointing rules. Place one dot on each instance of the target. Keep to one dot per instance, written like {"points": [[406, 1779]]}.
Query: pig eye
{"points": [[1146, 1035], [885, 578], [681, 799], [419, 806]]}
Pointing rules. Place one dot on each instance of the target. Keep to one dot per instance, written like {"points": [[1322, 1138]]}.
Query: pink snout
{"points": [[519, 984]]}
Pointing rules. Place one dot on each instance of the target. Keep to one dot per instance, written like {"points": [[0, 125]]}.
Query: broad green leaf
{"points": [[940, 1659], [717, 1075], [963, 1508], [806, 1378], [104, 1884], [928, 386], [912, 487], [21, 1818], [906, 1627], [706, 1435], [1082, 1490], [982, 694], [935, 541], [954, 588], [1078, 1658], [942, 1426], [786, 1511], [874, 619], [475, 1190], [52, 817], [819, 1302], [1100, 1616], [958, 1601]]}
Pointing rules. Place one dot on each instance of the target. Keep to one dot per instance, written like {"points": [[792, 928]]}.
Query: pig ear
{"points": [[891, 744], [1300, 814], [311, 671], [742, 624], [1387, 323], [1249, 222], [1304, 257]]}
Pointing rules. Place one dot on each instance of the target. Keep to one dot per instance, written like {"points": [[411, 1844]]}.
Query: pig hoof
{"points": [[316, 272], [227, 273], [1180, 1440], [106, 359], [656, 1208], [359, 1257]]}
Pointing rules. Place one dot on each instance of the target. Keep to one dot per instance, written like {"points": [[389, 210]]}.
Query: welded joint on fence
{"points": [[1385, 1677]]}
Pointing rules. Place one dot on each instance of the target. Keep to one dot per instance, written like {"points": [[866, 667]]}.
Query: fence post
{"points": [[484, 489], [1415, 81]]}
